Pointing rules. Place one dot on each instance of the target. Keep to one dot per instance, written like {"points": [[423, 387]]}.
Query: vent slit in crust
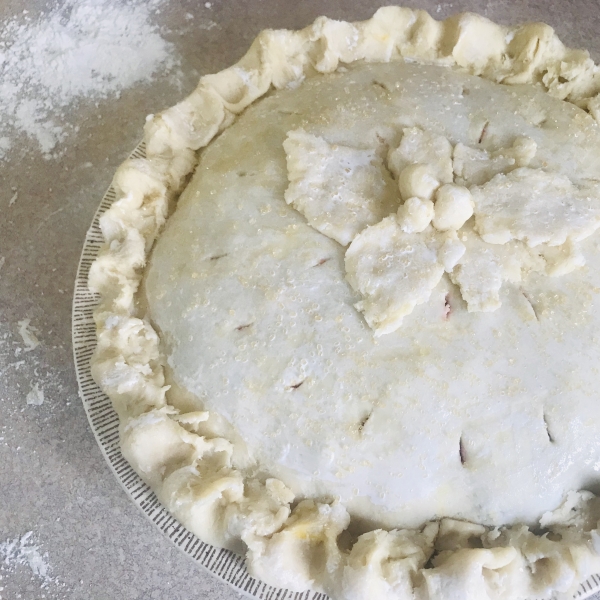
{"points": [[533, 308], [381, 85], [550, 436], [363, 421], [447, 306], [462, 451], [483, 132]]}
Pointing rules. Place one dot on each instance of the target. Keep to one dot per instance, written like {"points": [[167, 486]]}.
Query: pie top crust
{"points": [[314, 395]]}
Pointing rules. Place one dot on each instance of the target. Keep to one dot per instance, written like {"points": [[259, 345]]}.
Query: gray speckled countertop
{"points": [[53, 478]]}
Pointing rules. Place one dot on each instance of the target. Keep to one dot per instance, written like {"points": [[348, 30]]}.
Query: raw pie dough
{"points": [[363, 349]]}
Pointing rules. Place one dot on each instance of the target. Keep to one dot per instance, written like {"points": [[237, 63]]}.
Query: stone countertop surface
{"points": [[89, 540]]}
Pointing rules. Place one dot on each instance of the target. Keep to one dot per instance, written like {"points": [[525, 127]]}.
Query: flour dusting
{"points": [[25, 552], [90, 49], [27, 333], [35, 395]]}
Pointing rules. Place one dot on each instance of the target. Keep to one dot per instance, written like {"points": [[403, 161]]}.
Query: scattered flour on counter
{"points": [[35, 395], [25, 552], [207, 25], [90, 49], [5, 145], [28, 334]]}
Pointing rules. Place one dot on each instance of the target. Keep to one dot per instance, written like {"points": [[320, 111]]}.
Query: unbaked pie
{"points": [[363, 350]]}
